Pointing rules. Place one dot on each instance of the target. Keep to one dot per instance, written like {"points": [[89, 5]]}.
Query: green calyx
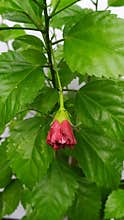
{"points": [[62, 115]]}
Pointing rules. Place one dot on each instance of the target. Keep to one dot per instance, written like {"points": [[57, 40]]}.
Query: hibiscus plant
{"points": [[62, 103]]}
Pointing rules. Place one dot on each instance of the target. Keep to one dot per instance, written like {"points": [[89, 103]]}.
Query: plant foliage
{"points": [[86, 49]]}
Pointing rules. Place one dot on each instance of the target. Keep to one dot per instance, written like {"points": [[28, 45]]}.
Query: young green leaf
{"points": [[11, 197], [95, 45], [116, 2], [55, 194], [5, 170], [88, 202], [114, 207], [27, 151]]}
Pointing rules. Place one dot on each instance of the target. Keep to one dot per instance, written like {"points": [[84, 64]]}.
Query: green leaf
{"points": [[114, 207], [66, 75], [1, 205], [99, 108], [28, 152], [99, 156], [46, 100], [94, 45], [11, 197], [7, 35], [58, 53], [22, 11], [101, 103], [55, 193], [116, 2], [5, 170], [88, 202], [34, 57], [26, 42], [62, 3], [17, 77], [69, 15]]}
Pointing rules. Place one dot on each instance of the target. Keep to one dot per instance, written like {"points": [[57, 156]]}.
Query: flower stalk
{"points": [[61, 98]]}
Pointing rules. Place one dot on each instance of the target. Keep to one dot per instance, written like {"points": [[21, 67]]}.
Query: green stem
{"points": [[52, 62], [61, 98], [48, 43], [93, 2], [96, 5]]}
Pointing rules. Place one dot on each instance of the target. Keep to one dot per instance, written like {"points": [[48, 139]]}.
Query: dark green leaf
{"points": [[46, 100], [20, 82], [11, 197], [116, 2], [5, 170], [99, 108], [101, 102], [28, 152], [55, 193], [99, 156], [95, 45], [115, 205], [88, 202]]}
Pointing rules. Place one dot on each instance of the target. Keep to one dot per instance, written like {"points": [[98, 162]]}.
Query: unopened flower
{"points": [[61, 134]]}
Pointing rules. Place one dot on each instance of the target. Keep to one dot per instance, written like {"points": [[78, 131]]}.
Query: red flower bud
{"points": [[61, 135]]}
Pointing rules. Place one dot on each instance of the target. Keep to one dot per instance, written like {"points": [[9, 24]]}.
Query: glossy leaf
{"points": [[5, 170], [11, 197], [22, 11], [116, 2], [46, 100], [28, 152], [114, 207], [99, 156], [17, 77], [95, 45], [101, 103], [88, 202], [55, 193]]}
